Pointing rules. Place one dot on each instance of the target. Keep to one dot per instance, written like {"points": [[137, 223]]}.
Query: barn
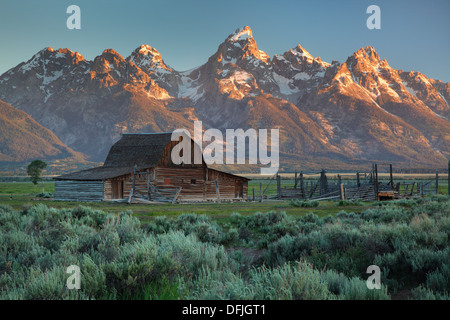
{"points": [[139, 167]]}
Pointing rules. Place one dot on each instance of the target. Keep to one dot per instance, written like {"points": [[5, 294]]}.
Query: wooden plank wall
{"points": [[70, 190], [166, 157], [201, 189]]}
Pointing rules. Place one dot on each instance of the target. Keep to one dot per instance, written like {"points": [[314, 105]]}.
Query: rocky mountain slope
{"points": [[329, 114], [23, 139]]}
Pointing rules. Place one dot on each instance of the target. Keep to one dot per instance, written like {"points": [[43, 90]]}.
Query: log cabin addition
{"points": [[140, 165]]}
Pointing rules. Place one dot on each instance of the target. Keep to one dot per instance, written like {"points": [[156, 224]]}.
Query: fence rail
{"points": [[366, 187]]}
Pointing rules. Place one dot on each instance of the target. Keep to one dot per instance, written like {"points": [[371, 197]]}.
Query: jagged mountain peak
{"points": [[241, 34], [301, 52], [148, 59], [367, 55], [238, 46], [145, 49], [48, 55], [111, 55], [301, 55]]}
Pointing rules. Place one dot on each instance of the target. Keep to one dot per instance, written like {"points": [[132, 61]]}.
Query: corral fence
{"points": [[365, 186]]}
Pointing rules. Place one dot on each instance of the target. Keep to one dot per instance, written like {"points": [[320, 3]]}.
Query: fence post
{"points": [[260, 192], [302, 185], [253, 189], [279, 186], [448, 177], [437, 182], [323, 184], [391, 176], [358, 182], [375, 167], [341, 187], [217, 190], [295, 180]]}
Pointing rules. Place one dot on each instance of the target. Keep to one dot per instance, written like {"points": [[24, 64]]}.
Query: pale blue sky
{"points": [[414, 34]]}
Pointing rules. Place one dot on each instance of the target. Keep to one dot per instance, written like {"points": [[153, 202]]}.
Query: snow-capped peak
{"points": [[146, 50], [148, 59], [240, 34], [368, 53], [301, 54]]}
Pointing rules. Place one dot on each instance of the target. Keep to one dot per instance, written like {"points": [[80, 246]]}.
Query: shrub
{"points": [[352, 289], [184, 257], [304, 203], [44, 195], [346, 203]]}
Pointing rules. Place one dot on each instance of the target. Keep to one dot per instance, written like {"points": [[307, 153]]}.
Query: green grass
{"points": [[24, 188], [23, 194], [163, 289], [219, 211]]}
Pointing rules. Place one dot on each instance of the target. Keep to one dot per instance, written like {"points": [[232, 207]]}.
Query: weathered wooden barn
{"points": [[140, 166]]}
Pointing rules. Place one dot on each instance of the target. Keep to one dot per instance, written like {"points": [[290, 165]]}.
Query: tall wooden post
{"points": [[375, 167], [302, 185], [323, 183], [341, 187], [448, 177], [437, 182], [260, 192], [391, 176], [358, 182], [217, 190], [253, 189], [148, 185], [279, 186], [295, 180]]}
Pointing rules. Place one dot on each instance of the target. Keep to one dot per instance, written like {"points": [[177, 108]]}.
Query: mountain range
{"points": [[332, 115]]}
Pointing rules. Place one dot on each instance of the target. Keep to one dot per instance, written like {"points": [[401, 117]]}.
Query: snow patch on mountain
{"points": [[409, 89], [286, 85]]}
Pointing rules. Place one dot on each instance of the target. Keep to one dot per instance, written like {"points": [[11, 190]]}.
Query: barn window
{"points": [[193, 181]]}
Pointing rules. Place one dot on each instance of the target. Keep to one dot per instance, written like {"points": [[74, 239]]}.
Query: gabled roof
{"points": [[142, 150]]}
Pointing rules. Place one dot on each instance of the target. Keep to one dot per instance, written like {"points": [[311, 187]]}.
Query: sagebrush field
{"points": [[260, 255]]}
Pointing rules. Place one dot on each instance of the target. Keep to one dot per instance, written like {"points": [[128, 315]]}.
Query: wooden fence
{"points": [[365, 187]]}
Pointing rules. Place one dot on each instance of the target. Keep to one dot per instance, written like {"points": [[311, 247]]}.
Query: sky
{"points": [[414, 35]]}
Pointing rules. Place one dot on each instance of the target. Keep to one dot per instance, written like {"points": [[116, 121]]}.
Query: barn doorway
{"points": [[117, 189], [238, 189]]}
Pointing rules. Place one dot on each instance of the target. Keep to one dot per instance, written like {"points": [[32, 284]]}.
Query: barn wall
{"points": [[127, 179], [227, 185], [71, 190], [203, 188], [141, 183]]}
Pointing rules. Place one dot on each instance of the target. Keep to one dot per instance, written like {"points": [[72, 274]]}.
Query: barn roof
{"points": [[96, 174], [142, 150]]}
